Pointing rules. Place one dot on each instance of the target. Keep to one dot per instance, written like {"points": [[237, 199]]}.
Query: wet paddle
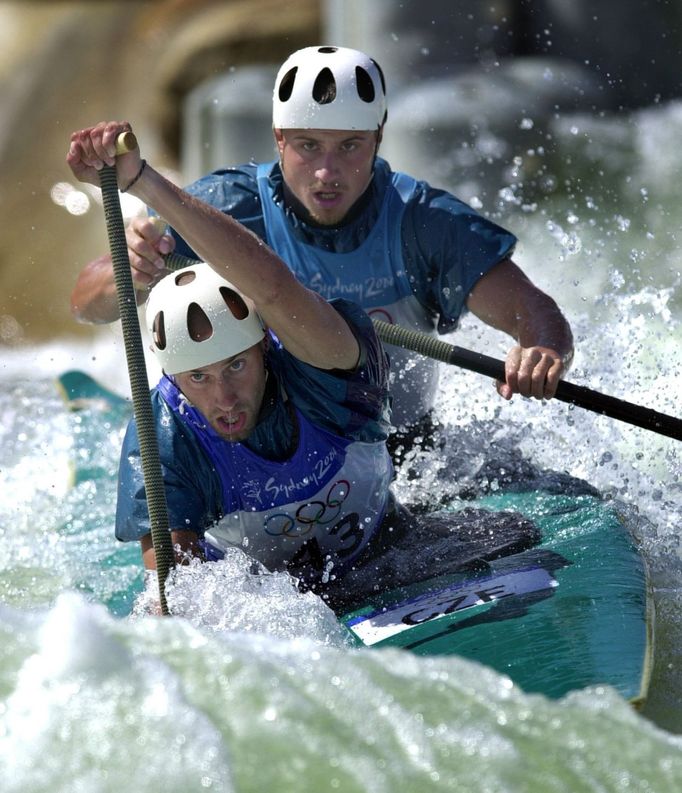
{"points": [[577, 395], [137, 370]]}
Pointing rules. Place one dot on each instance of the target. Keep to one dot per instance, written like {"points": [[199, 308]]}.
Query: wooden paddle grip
{"points": [[126, 142]]}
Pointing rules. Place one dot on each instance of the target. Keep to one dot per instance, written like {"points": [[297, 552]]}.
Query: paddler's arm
{"points": [[94, 299], [304, 322], [506, 299], [185, 545]]}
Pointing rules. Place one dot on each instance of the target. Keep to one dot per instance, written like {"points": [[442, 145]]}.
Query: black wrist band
{"points": [[143, 165]]}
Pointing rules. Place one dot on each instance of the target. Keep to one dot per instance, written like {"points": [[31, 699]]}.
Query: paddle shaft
{"points": [[137, 371], [566, 392]]}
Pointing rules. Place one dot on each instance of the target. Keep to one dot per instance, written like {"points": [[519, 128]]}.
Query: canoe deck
{"points": [[574, 611]]}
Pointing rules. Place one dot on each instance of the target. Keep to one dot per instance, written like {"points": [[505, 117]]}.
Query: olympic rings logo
{"points": [[309, 515]]}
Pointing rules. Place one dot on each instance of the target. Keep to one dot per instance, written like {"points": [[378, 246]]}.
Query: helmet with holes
{"points": [[329, 88], [197, 318]]}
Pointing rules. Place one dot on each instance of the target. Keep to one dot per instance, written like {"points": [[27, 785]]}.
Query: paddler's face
{"points": [[228, 393], [326, 170]]}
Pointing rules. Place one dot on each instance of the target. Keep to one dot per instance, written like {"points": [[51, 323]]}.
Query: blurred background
{"points": [[479, 94]]}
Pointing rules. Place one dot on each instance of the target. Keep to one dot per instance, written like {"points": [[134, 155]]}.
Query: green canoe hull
{"points": [[574, 611]]}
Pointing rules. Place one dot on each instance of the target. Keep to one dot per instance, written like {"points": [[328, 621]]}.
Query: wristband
{"points": [[143, 165]]}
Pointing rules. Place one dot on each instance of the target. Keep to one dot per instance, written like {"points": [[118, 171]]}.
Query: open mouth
{"points": [[230, 425], [327, 196]]}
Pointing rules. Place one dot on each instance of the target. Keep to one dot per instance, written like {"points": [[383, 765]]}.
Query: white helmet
{"points": [[197, 318], [329, 88]]}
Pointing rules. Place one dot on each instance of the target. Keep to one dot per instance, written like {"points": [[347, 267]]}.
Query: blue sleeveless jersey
{"points": [[312, 510], [313, 513]]}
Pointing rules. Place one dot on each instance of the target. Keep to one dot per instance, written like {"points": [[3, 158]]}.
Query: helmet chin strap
{"points": [[377, 143]]}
